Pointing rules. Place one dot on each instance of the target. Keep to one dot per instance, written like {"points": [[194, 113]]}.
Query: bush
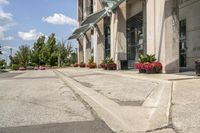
{"points": [[66, 64], [109, 61], [148, 58], [15, 67]]}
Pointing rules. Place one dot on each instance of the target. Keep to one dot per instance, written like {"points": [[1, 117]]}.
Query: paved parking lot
{"points": [[37, 101]]}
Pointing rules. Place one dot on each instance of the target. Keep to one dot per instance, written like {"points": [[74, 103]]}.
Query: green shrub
{"points": [[109, 60], [91, 60], [66, 64], [148, 58], [15, 67]]}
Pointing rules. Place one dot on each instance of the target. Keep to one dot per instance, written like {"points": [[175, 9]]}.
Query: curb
{"points": [[116, 117]]}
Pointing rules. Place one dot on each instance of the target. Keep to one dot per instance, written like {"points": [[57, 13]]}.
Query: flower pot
{"points": [[75, 65], [82, 65], [102, 65], [111, 66], [92, 66], [151, 71]]}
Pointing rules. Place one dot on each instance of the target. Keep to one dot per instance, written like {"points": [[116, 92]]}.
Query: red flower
{"points": [[148, 66], [139, 66], [158, 66]]}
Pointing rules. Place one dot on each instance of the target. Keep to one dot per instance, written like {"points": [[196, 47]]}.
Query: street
{"points": [[38, 101]]}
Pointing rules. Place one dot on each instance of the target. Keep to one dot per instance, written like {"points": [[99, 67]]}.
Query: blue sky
{"points": [[22, 21]]}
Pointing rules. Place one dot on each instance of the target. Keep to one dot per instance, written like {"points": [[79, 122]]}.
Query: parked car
{"points": [[36, 68], [30, 68], [22, 68], [42, 68]]}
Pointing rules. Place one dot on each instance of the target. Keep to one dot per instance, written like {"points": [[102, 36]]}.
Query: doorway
{"points": [[134, 38], [182, 45]]}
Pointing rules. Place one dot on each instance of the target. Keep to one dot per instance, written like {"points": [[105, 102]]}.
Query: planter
{"points": [[75, 65], [111, 66], [142, 71], [197, 68], [92, 66], [82, 65], [105, 67], [102, 65], [151, 71]]}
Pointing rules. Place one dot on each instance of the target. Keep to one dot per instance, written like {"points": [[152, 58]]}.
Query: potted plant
{"points": [[110, 65], [148, 64], [91, 63], [157, 66], [140, 67], [82, 65], [149, 68]]}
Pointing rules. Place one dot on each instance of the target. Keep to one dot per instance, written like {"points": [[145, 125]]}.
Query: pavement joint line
{"points": [[170, 110]]}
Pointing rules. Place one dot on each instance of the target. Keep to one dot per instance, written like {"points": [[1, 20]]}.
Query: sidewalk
{"points": [[128, 101]]}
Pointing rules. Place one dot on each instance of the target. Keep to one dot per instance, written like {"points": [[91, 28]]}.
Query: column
{"points": [[80, 51], [118, 35], [163, 33], [86, 48]]}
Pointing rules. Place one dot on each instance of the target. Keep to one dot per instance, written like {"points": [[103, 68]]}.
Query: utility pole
{"points": [[59, 60], [0, 50], [11, 52]]}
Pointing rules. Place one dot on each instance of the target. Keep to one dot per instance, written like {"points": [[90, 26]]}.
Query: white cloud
{"points": [[5, 18], [60, 19], [6, 21], [4, 2], [30, 35]]}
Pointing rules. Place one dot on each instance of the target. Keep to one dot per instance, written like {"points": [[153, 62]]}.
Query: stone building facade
{"points": [[122, 29]]}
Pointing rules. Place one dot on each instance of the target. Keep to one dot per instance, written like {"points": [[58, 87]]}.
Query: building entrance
{"points": [[134, 38], [182, 45]]}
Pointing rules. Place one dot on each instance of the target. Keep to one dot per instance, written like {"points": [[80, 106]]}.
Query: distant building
{"points": [[122, 29]]}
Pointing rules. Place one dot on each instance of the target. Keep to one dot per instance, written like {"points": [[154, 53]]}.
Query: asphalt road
{"points": [[96, 126], [39, 102]]}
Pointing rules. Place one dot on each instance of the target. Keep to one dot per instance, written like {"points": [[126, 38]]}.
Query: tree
{"points": [[2, 62], [44, 55], [52, 50], [37, 51], [63, 52], [23, 55]]}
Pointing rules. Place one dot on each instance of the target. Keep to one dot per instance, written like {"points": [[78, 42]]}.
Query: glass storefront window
{"points": [[182, 43]]}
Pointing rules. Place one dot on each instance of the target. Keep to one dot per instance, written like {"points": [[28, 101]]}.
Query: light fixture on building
{"points": [[82, 35]]}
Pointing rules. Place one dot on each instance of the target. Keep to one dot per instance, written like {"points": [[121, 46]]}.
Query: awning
{"points": [[90, 21], [79, 31], [113, 4], [93, 17]]}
